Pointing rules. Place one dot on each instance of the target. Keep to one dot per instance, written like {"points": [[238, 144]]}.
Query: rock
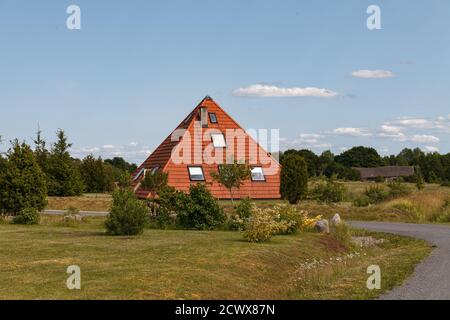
{"points": [[336, 220], [365, 242], [322, 226]]}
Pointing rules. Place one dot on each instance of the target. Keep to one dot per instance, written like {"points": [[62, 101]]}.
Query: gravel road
{"points": [[431, 278]]}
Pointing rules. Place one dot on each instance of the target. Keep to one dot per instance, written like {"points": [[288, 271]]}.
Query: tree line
{"points": [[28, 175], [432, 167]]}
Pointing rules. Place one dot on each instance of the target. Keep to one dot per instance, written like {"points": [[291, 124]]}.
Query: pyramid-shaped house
{"points": [[205, 139]]}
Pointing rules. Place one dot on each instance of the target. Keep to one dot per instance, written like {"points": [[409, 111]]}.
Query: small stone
{"points": [[322, 226], [336, 220], [365, 242]]}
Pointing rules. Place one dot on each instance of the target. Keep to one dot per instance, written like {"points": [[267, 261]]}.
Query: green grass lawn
{"points": [[174, 264]]}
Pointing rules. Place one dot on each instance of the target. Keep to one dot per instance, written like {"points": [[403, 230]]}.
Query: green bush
{"points": [[244, 208], [199, 209], [445, 183], [289, 215], [398, 189], [154, 181], [22, 183], [164, 208], [27, 216], [262, 226], [294, 178], [4, 219], [342, 233], [330, 191], [361, 201], [444, 215], [242, 213], [128, 215], [376, 193]]}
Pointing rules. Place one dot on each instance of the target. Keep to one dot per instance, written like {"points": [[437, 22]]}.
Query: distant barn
{"points": [[387, 173]]}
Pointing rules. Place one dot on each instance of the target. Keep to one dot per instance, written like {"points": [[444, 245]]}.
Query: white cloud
{"points": [[391, 129], [306, 140], [418, 138], [372, 74], [424, 138], [411, 122], [355, 132], [132, 152], [260, 90], [432, 149], [89, 150]]}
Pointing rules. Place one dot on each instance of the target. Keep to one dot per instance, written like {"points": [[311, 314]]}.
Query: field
{"points": [[176, 264], [420, 206], [170, 264]]}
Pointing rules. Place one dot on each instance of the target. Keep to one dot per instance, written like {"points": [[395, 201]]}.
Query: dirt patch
{"points": [[332, 244]]}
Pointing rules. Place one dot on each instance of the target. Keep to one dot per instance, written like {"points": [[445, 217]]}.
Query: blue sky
{"points": [[121, 84]]}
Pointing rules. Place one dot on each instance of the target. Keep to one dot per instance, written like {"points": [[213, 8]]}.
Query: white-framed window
{"points": [[153, 171], [140, 173], [258, 174], [196, 174], [218, 140]]}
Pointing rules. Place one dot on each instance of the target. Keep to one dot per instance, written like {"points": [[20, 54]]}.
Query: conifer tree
{"points": [[64, 178], [22, 182]]}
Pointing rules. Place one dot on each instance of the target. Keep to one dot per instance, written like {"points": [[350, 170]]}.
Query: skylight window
{"points": [[141, 172], [196, 174], [212, 117], [218, 140], [154, 170], [258, 174]]}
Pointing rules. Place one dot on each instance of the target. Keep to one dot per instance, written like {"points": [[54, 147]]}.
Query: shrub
{"points": [[154, 181], [342, 233], [199, 209], [262, 226], [27, 216], [244, 208], [409, 209], [22, 183], [330, 191], [398, 189], [127, 215], [243, 212], [376, 193], [294, 178], [4, 219], [281, 219], [445, 183], [361, 201], [444, 216], [164, 208], [380, 179]]}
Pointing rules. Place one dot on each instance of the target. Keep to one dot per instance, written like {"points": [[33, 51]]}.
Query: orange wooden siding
{"points": [[178, 175]]}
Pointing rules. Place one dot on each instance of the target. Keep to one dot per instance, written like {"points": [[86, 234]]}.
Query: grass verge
{"points": [[177, 264]]}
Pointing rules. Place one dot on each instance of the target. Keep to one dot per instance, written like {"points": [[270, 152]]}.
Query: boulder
{"points": [[336, 220], [322, 226]]}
